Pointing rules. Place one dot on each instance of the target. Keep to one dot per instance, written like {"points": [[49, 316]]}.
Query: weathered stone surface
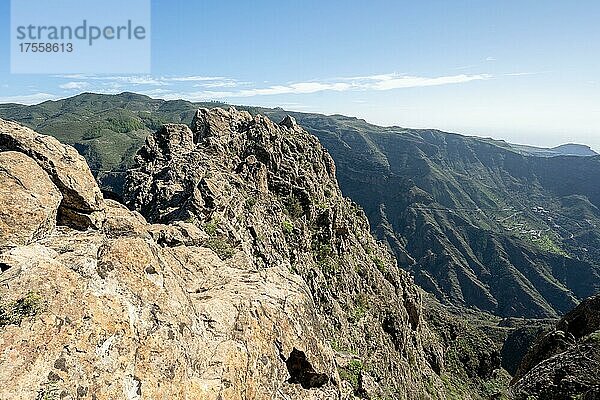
{"points": [[269, 190], [255, 279], [153, 322], [28, 200], [170, 139], [218, 122], [82, 205], [565, 363], [122, 222]]}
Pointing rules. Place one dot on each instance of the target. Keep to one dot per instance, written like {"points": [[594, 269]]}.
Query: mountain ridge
{"points": [[499, 217], [247, 276]]}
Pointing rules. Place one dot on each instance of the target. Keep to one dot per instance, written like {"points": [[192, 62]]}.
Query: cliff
{"points": [[244, 275]]}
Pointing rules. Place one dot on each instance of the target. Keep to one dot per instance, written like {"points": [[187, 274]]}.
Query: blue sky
{"points": [[526, 71]]}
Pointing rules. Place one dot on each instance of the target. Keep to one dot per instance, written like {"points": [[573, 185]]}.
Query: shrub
{"points": [[287, 227], [351, 373], [293, 207], [211, 227], [250, 202], [380, 264], [221, 247]]}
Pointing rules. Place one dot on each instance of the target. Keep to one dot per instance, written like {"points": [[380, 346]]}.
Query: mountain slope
{"points": [[246, 300], [478, 222]]}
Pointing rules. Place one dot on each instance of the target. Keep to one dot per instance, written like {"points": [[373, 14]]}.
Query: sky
{"points": [[526, 71]]}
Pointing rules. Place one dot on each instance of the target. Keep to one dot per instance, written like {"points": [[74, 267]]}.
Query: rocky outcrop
{"points": [[269, 191], [222, 295], [28, 200], [240, 272], [564, 363], [82, 204], [141, 311]]}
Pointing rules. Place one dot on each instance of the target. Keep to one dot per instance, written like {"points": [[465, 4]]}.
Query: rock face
{"points": [[565, 363], [142, 311], [28, 200], [82, 205], [125, 318], [255, 278], [269, 191]]}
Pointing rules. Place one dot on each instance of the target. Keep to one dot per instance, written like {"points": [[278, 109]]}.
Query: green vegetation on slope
{"points": [[479, 222]]}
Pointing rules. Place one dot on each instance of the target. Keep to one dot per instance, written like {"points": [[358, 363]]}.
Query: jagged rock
{"points": [[289, 122], [28, 200], [82, 204], [177, 234], [565, 363], [138, 311], [251, 278], [269, 190], [217, 122], [170, 139], [583, 320]]}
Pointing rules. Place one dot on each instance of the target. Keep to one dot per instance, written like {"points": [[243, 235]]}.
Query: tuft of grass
{"points": [[15, 312], [287, 227], [325, 257], [380, 264], [250, 202], [211, 227], [361, 305], [293, 207], [221, 246], [351, 373]]}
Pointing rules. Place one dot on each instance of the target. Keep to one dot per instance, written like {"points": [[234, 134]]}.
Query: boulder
{"points": [[82, 205], [28, 200]]}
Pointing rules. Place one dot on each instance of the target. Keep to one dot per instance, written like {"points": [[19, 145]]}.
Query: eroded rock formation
{"points": [[242, 274]]}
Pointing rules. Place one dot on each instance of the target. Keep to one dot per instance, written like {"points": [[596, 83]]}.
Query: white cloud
{"points": [[490, 59], [29, 98], [373, 82], [145, 79], [193, 78], [229, 83], [401, 82], [218, 87], [155, 92], [74, 85], [525, 73]]}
